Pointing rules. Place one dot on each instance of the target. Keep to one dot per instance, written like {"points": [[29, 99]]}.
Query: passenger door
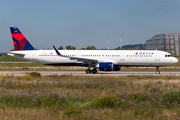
{"points": [[34, 56], [157, 57], [122, 57]]}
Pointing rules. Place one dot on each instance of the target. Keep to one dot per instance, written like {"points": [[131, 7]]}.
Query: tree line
{"points": [[135, 48], [69, 47]]}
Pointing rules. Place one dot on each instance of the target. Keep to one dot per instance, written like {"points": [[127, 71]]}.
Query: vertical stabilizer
{"points": [[19, 41]]}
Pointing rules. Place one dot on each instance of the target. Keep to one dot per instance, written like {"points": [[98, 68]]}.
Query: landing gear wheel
{"points": [[88, 71], [157, 70], [94, 71]]}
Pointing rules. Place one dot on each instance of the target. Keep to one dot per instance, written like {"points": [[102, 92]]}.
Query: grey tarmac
{"points": [[115, 73]]}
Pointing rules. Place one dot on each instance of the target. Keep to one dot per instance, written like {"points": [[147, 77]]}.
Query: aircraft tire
{"points": [[88, 71], [157, 72], [94, 71]]}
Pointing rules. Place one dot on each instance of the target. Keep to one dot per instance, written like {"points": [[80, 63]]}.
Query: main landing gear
{"points": [[157, 70], [94, 71], [88, 71]]}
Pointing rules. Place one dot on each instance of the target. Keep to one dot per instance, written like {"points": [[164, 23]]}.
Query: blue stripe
{"points": [[15, 30], [28, 46], [17, 43]]}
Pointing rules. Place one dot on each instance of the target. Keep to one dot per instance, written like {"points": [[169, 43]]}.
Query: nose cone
{"points": [[175, 61]]}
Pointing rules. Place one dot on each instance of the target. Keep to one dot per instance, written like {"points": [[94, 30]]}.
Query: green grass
{"points": [[177, 56], [20, 65], [10, 59], [172, 97], [89, 97]]}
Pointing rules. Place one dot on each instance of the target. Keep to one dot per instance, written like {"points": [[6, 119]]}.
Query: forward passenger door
{"points": [[157, 57]]}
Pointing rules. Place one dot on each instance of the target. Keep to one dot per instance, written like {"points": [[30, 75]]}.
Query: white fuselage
{"points": [[149, 58]]}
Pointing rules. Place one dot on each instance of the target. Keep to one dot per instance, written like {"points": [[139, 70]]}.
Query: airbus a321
{"points": [[104, 60]]}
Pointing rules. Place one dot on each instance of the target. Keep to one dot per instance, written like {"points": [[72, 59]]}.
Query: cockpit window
{"points": [[168, 55]]}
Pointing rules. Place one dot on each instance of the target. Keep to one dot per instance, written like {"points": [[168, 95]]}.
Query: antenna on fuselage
{"points": [[121, 41]]}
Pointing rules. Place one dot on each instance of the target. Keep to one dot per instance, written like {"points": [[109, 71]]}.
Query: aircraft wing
{"points": [[84, 60]]}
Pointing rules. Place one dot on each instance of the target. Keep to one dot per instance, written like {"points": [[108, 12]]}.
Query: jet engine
{"points": [[108, 66]]}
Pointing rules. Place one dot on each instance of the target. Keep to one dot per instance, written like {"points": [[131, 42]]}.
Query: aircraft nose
{"points": [[175, 60]]}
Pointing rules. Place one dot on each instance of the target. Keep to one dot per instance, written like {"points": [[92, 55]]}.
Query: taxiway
{"points": [[118, 73]]}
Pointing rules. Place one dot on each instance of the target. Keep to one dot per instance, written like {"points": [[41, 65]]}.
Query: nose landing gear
{"points": [[157, 70]]}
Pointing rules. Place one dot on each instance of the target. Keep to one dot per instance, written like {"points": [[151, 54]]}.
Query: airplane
{"points": [[104, 60]]}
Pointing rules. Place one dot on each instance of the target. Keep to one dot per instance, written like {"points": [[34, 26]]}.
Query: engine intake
{"points": [[108, 66]]}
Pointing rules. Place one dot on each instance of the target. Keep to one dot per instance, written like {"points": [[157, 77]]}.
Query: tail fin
{"points": [[19, 41]]}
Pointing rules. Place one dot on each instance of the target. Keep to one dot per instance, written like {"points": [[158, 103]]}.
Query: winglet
{"points": [[58, 53]]}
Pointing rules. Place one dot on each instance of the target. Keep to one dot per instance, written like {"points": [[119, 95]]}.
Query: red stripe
{"points": [[18, 36], [22, 41]]}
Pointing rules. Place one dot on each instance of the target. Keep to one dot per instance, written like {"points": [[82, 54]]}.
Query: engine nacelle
{"points": [[108, 66], [116, 68]]}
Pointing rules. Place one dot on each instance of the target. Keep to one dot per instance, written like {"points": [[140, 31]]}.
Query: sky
{"points": [[83, 23]]}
